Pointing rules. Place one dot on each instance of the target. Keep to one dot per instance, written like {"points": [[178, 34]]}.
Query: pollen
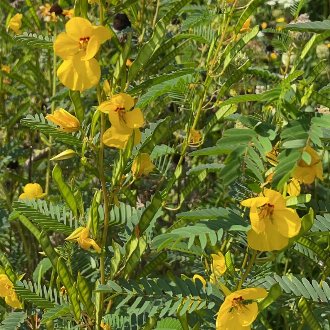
{"points": [[237, 302], [83, 42], [266, 211]]}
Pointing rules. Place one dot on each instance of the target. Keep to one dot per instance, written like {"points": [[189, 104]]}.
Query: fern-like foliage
{"points": [[162, 296], [12, 320], [47, 216], [32, 40], [311, 290]]}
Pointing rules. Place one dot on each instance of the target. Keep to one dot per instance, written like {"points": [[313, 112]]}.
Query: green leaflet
{"points": [[67, 280], [47, 247], [149, 213], [135, 247], [55, 313], [78, 105], [308, 315], [155, 41], [13, 320], [249, 10], [33, 41], [26, 294], [85, 294], [65, 190], [33, 13], [46, 222], [316, 26], [158, 260]]}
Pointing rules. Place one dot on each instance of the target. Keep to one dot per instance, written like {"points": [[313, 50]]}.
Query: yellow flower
{"points": [[7, 291], [200, 278], [47, 14], [246, 25], [81, 235], [263, 25], [32, 191], [293, 187], [195, 138], [142, 165], [219, 264], [67, 122], [5, 68], [240, 309], [306, 173], [68, 13], [77, 47], [124, 123], [15, 23], [272, 223]]}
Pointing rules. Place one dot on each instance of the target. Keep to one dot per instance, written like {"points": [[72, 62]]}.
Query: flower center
{"points": [[237, 302], [121, 114], [266, 211], [83, 42]]}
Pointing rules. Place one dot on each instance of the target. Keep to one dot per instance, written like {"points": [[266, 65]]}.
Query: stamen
{"points": [[83, 42]]}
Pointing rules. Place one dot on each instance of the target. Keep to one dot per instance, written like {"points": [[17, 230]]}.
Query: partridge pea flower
{"points": [[272, 223], [15, 23], [67, 122], [142, 165], [219, 264], [7, 291], [77, 47], [124, 123], [81, 235], [240, 309], [32, 191], [306, 173]]}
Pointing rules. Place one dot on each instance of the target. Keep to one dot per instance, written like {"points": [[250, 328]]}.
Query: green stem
{"points": [[248, 270]]}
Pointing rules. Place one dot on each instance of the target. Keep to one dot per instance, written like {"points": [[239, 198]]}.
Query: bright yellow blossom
{"points": [[293, 187], [195, 138], [306, 173], [77, 47], [240, 309], [124, 123], [218, 264], [32, 191], [67, 122], [68, 13], [272, 223], [246, 25], [5, 68], [15, 23], [81, 235], [142, 165], [7, 291]]}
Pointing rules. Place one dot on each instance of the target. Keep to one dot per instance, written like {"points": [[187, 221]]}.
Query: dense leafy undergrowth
{"points": [[164, 164]]}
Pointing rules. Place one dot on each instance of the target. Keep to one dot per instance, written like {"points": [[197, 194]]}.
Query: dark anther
{"points": [[121, 22]]}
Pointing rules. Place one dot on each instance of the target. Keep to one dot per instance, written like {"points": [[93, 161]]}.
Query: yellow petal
{"points": [[32, 191], [246, 316], [137, 136], [293, 187], [266, 240], [15, 23], [119, 101], [102, 33], [66, 154], [256, 201], [142, 165], [64, 120], [200, 278], [6, 286], [78, 27], [134, 118], [113, 137], [287, 222], [75, 234], [79, 75], [218, 264], [65, 46], [275, 198], [13, 301], [92, 48]]}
